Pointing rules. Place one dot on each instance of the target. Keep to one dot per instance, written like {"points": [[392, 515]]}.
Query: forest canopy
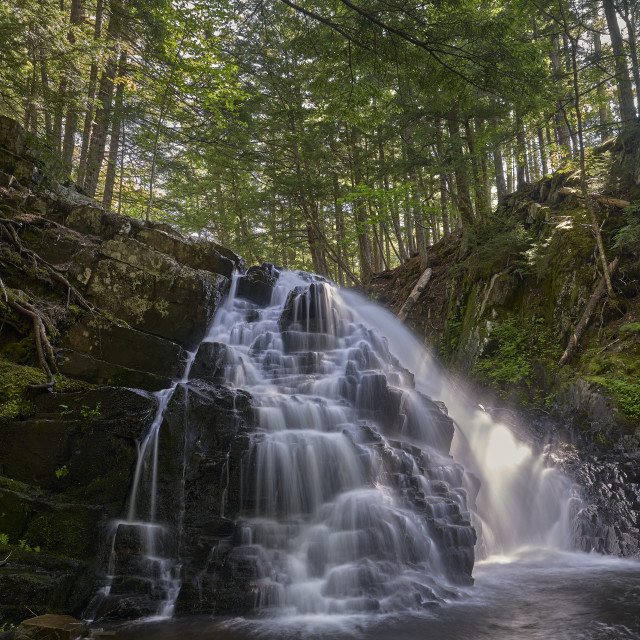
{"points": [[339, 136]]}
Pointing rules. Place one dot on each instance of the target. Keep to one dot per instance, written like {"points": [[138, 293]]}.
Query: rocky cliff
{"points": [[96, 311]]}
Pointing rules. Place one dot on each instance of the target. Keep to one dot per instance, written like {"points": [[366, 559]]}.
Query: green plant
{"points": [[62, 472], [87, 412], [625, 393], [25, 547], [64, 410], [512, 349], [4, 539], [628, 236]]}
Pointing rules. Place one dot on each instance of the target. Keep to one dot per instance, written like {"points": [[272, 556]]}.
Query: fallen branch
{"points": [[598, 293], [416, 292], [3, 563]]}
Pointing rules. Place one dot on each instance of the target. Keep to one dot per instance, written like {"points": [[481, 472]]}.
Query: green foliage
{"points": [[62, 472], [25, 547], [628, 236], [626, 394], [630, 327], [509, 361], [513, 348], [4, 539], [499, 243], [87, 412]]}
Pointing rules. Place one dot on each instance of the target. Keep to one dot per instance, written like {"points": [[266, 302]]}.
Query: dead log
{"points": [[416, 292], [610, 202], [598, 293]]}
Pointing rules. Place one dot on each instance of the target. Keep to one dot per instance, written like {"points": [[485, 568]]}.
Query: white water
{"points": [[522, 502], [351, 501], [324, 514]]}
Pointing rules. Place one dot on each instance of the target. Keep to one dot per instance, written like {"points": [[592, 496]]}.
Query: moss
{"points": [[68, 385], [625, 393], [20, 352], [631, 327], [14, 381], [68, 533], [516, 352]]}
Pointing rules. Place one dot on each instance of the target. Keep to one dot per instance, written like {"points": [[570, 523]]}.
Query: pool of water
{"points": [[532, 595]]}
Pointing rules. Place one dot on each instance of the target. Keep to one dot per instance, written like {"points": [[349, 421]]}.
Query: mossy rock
{"points": [[15, 398]]}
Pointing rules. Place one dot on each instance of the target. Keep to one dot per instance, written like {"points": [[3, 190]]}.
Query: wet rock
{"points": [[309, 309], [50, 627], [108, 353], [258, 283], [210, 362], [201, 446], [87, 432]]}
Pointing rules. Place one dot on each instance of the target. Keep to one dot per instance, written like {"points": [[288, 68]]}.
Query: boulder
{"points": [[210, 362], [50, 627], [105, 352], [258, 283], [12, 136], [150, 290]]}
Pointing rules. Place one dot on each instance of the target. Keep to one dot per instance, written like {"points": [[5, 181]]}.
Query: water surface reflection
{"points": [[534, 596]]}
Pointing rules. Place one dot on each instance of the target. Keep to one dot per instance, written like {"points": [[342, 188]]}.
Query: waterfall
{"points": [[333, 489], [350, 499], [523, 501]]}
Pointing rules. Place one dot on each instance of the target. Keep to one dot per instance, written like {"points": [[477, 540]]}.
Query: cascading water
{"points": [[350, 501], [331, 488], [523, 501], [143, 556]]}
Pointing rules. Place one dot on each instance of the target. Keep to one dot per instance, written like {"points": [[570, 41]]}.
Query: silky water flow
{"points": [[351, 501]]}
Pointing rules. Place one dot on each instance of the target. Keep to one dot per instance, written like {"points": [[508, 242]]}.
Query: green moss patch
{"points": [[14, 381]]}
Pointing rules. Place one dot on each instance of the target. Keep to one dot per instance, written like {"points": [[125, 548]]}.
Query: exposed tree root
{"points": [[7, 229], [43, 346], [17, 300]]}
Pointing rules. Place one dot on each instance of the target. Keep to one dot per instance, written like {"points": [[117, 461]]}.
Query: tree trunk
{"points": [[462, 183], [421, 238], [76, 16], [446, 227], [590, 307], [602, 100], [564, 136], [393, 213], [114, 140], [633, 49], [543, 152], [359, 210], [521, 151], [415, 294], [91, 98], [625, 92], [340, 231], [481, 208]]}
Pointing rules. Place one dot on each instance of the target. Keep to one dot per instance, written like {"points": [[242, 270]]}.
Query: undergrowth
{"points": [[509, 359]]}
